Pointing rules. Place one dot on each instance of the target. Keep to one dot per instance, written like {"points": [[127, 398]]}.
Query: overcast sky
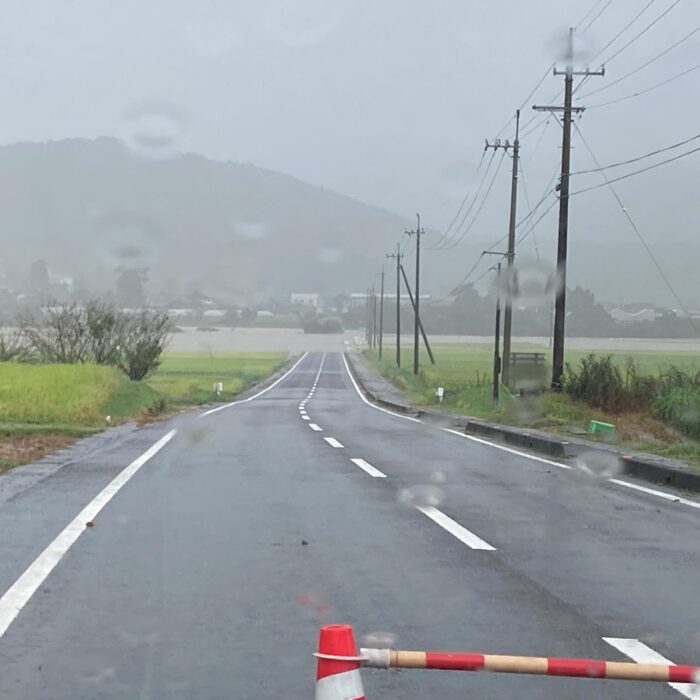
{"points": [[387, 101]]}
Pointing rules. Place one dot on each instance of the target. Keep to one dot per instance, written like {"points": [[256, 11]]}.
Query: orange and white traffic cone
{"points": [[338, 669]]}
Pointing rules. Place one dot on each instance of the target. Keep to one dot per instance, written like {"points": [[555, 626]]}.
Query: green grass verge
{"points": [[465, 373], [38, 402]]}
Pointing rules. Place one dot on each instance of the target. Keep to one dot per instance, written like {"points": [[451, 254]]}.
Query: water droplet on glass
{"points": [[379, 640], [529, 284], [438, 477], [195, 435], [421, 496], [253, 230], [153, 130], [599, 464], [300, 24], [330, 255], [125, 238]]}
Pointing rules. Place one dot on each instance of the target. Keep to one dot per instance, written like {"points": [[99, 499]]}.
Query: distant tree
{"points": [[58, 333], [131, 284], [39, 278]]}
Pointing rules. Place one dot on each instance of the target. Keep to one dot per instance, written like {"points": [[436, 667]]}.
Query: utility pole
{"points": [[497, 340], [381, 315], [417, 233], [508, 316], [568, 110], [420, 323], [398, 255], [367, 329]]}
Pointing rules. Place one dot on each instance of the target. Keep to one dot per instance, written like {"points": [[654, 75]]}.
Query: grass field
{"points": [[465, 373], [43, 406]]}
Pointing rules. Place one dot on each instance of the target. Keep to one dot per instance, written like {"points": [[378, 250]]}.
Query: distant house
{"points": [[214, 313], [307, 300]]}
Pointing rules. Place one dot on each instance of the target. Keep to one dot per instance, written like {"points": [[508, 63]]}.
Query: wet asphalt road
{"points": [[194, 582]]}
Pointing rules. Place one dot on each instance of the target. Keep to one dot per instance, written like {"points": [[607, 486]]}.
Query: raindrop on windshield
{"points": [[379, 640], [421, 496], [153, 130], [599, 464], [529, 284], [125, 238]]}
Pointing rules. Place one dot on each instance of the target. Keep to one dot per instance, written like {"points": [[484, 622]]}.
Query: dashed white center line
{"points": [[642, 654], [455, 529], [366, 466], [332, 442], [315, 427], [306, 418]]}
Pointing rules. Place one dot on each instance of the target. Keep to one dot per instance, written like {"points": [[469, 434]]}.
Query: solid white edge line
{"points": [[21, 591], [315, 427], [366, 466], [369, 403], [506, 449], [642, 654], [619, 482], [455, 529], [654, 492], [332, 442], [260, 393]]}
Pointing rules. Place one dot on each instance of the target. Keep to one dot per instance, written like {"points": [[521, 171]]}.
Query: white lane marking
{"points": [[369, 403], [315, 427], [318, 374], [455, 529], [506, 449], [642, 654], [260, 393], [619, 482], [21, 591], [654, 492], [332, 442], [306, 418], [366, 466]]}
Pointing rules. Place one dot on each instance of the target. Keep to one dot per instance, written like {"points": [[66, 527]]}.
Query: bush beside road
{"points": [[43, 407]]}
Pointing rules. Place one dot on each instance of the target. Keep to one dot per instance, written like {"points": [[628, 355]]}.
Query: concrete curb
{"points": [[636, 465]]}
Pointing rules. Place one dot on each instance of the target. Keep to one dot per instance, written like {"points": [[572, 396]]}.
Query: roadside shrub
{"points": [[143, 340], [58, 333], [105, 328], [12, 346], [598, 382], [679, 406]]}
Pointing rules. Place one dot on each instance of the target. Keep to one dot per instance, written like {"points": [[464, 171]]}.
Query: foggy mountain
{"points": [[232, 230], [243, 233]]}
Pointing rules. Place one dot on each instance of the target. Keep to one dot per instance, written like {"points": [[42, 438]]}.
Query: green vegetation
{"points": [[186, 378], [43, 406], [651, 397]]}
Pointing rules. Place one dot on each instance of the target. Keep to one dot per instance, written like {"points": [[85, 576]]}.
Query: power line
{"points": [[625, 28], [638, 158], [591, 10], [637, 172], [630, 42], [464, 201], [438, 243], [637, 231], [643, 92], [469, 227], [644, 65], [644, 31], [590, 24], [539, 218]]}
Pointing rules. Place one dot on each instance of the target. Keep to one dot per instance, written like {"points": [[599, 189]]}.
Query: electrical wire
{"points": [[464, 201], [638, 232], [635, 172], [591, 10], [624, 29], [461, 237], [441, 242], [643, 92], [638, 158], [592, 22], [644, 65], [539, 218]]}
